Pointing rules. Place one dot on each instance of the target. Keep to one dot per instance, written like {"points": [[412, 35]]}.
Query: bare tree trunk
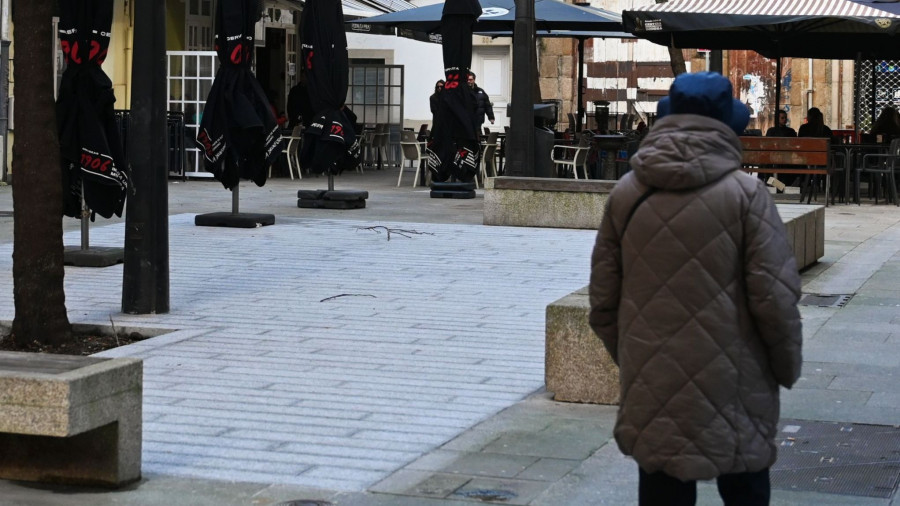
{"points": [[676, 56], [40, 300], [676, 59]]}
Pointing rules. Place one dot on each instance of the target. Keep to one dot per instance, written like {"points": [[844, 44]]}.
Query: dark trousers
{"points": [[739, 489]]}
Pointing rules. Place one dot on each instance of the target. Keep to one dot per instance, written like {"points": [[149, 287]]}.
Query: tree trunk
{"points": [[676, 58], [40, 301]]}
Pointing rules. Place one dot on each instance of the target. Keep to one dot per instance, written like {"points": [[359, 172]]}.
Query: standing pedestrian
{"points": [[694, 292], [483, 105], [434, 100]]}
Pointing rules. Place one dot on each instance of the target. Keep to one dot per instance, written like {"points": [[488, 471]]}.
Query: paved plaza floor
{"points": [[324, 358]]}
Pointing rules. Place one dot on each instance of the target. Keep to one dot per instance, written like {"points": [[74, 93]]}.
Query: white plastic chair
{"points": [[411, 149], [488, 153], [573, 156], [291, 151]]}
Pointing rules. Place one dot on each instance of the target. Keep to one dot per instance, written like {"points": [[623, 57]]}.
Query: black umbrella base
{"points": [[93, 256], [332, 199], [452, 190], [234, 220]]}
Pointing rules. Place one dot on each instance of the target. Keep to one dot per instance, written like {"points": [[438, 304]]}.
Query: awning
{"points": [[839, 29]]}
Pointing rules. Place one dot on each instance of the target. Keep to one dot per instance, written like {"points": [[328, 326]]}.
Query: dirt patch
{"points": [[81, 344]]}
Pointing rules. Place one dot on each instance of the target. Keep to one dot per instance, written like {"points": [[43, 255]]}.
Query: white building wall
{"points": [[423, 66]]}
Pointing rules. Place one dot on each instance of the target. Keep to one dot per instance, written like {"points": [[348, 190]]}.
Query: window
{"points": [[375, 93], [190, 77]]}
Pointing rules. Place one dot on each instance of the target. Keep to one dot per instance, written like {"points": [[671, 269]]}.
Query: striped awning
{"points": [[833, 8], [838, 29]]}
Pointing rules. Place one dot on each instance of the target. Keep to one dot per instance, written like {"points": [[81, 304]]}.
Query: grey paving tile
{"points": [[548, 469], [489, 464]]}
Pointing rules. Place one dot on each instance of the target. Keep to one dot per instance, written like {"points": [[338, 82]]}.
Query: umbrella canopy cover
{"points": [[90, 144], [238, 132], [500, 15], [453, 149], [839, 29], [329, 143]]}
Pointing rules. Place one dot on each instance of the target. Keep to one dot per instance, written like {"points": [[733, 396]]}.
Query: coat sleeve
{"points": [[773, 287], [488, 107], [605, 285]]}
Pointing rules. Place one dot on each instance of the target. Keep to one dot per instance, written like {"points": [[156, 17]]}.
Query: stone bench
{"points": [[545, 202], [576, 366], [70, 419], [570, 203]]}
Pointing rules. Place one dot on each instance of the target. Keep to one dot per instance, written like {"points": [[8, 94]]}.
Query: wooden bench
{"points": [[70, 419], [789, 155]]}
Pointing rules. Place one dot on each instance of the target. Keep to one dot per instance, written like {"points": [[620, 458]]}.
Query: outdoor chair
{"points": [[380, 142], [488, 152], [413, 150], [883, 168], [572, 156], [291, 152]]}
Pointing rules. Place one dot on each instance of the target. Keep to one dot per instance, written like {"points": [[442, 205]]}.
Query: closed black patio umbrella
{"points": [[453, 149], [238, 133], [90, 145], [326, 62], [330, 144]]}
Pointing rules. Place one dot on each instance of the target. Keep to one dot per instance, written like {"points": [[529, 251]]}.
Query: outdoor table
{"points": [[854, 152], [612, 144]]}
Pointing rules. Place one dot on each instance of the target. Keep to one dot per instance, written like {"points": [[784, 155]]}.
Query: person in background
{"points": [[887, 125], [434, 99], [299, 107], [483, 104], [693, 292], [815, 125], [781, 128]]}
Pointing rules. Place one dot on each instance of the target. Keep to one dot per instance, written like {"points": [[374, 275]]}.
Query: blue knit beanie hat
{"points": [[707, 94]]}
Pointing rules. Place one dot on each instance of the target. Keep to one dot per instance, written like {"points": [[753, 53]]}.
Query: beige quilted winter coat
{"points": [[697, 303]]}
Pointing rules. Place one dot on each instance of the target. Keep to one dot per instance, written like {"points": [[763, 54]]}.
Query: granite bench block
{"points": [[570, 203], [577, 366], [67, 419]]}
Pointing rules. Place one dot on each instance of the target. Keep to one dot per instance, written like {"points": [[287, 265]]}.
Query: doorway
{"points": [[270, 68], [491, 65]]}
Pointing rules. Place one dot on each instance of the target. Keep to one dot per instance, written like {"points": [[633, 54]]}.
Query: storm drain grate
{"points": [[837, 458], [487, 494], [825, 300]]}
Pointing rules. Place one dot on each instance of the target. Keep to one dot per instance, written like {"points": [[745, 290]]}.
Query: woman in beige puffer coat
{"points": [[696, 303]]}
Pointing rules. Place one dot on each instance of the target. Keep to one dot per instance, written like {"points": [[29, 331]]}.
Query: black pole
{"points": [[579, 120], [4, 105], [777, 88], [715, 61], [145, 286], [520, 142], [874, 92]]}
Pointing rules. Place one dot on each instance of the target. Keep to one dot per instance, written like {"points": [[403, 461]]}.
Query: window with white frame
{"points": [[190, 77]]}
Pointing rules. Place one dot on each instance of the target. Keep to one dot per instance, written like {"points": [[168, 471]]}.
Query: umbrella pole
{"points": [[236, 199], [85, 224], [777, 88], [330, 181], [579, 120]]}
